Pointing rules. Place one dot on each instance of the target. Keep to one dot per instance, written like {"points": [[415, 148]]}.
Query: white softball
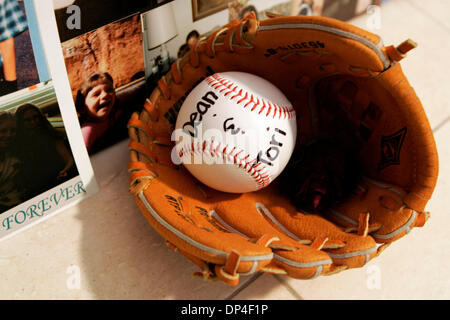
{"points": [[237, 132]]}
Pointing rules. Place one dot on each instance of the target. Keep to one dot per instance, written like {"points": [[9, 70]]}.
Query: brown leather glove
{"points": [[343, 82]]}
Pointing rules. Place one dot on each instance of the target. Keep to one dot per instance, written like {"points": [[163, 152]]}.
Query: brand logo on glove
{"points": [[177, 204], [308, 45]]}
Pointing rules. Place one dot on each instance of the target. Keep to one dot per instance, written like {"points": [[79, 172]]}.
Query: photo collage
{"points": [[111, 54]]}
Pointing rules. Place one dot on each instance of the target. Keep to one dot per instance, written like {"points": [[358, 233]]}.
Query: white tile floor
{"points": [[118, 256]]}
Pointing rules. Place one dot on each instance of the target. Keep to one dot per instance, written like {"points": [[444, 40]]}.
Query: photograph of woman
{"points": [[11, 181], [46, 157]]}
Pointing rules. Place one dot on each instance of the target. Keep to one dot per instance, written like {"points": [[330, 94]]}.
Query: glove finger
{"points": [[345, 249], [382, 204], [290, 257]]}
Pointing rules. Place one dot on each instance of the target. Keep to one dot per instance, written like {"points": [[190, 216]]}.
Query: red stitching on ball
{"points": [[264, 105], [237, 95], [216, 82], [244, 98], [256, 104], [257, 171], [270, 108]]}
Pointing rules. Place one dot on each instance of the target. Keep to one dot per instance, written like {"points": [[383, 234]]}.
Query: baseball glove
{"points": [[364, 167]]}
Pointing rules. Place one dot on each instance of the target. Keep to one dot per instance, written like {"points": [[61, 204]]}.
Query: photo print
{"points": [[39, 175], [105, 65]]}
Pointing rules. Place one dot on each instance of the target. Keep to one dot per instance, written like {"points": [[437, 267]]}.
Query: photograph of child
{"points": [[106, 71], [96, 106]]}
